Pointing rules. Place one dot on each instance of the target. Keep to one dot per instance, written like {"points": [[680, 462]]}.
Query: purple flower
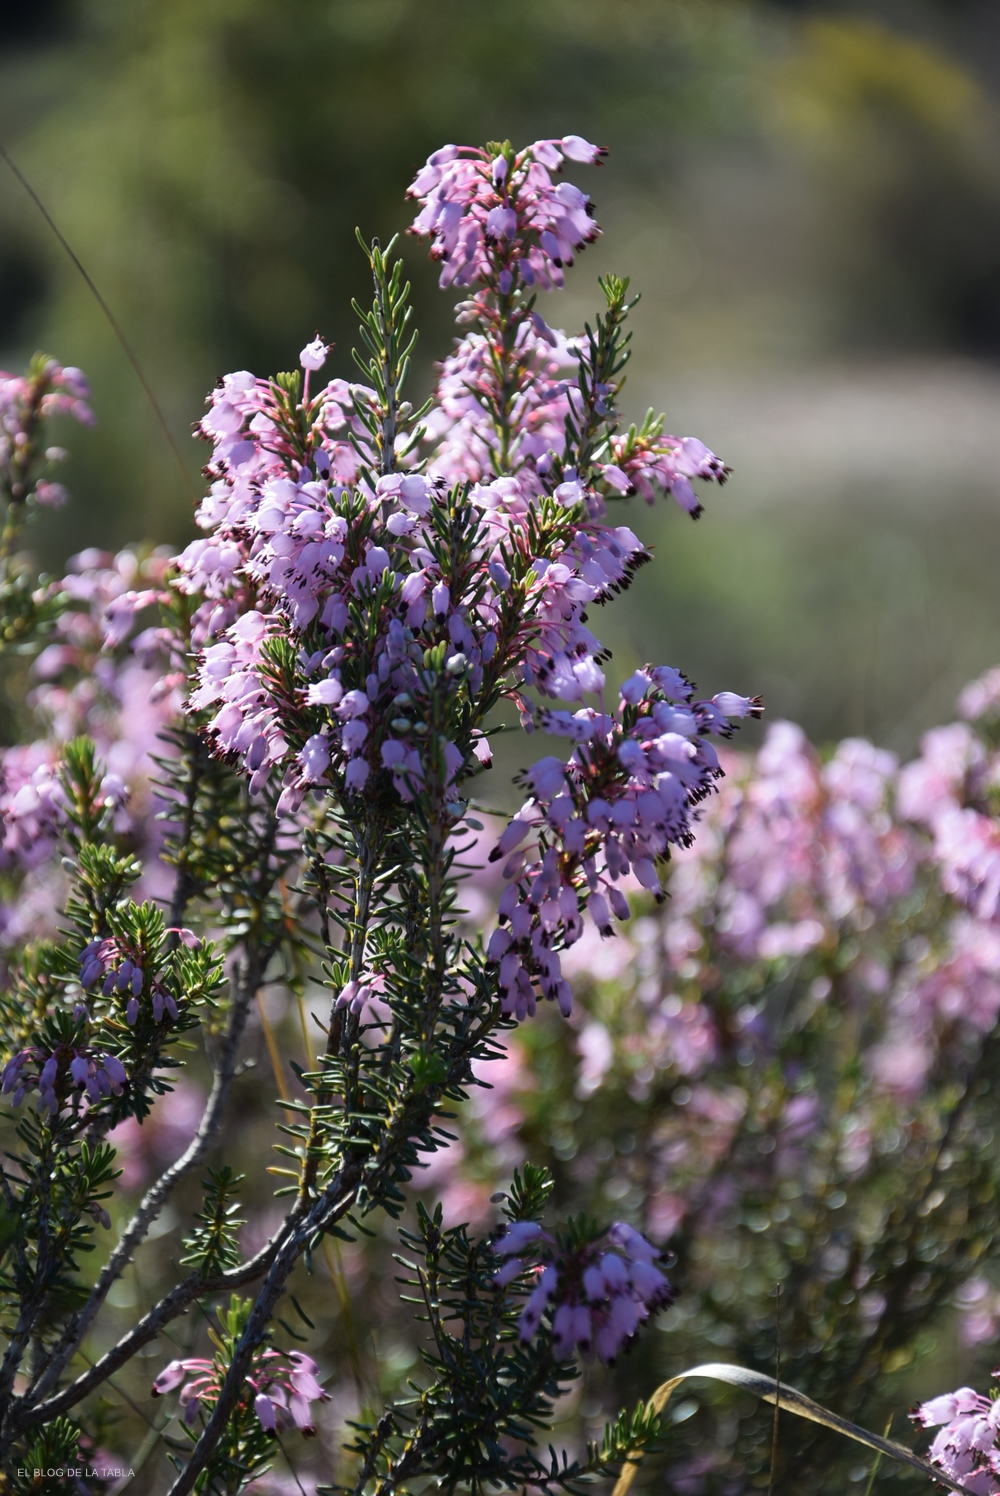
{"points": [[356, 774], [653, 765], [266, 1413], [115, 1070], [314, 355], [598, 1298], [501, 223], [965, 1448], [170, 1377], [283, 1385], [186, 937], [325, 692], [315, 758], [575, 148], [353, 704], [303, 1376], [462, 201], [517, 1236], [353, 736], [731, 705]]}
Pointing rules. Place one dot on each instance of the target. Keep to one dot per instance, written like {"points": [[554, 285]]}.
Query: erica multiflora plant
{"points": [[259, 765]]}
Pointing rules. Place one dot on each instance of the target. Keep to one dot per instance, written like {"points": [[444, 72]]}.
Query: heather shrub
{"points": [[338, 1111]]}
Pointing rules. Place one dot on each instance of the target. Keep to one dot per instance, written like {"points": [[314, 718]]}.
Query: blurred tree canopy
{"points": [[791, 186]]}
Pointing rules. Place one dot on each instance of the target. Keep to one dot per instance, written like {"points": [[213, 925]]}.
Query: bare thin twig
{"points": [[170, 1306]]}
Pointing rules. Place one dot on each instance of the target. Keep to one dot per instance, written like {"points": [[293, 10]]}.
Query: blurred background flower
{"points": [[807, 195]]}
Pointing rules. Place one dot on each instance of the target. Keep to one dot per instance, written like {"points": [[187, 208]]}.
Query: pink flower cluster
{"points": [[819, 877], [598, 1292], [948, 790], [26, 401], [460, 430], [965, 1446], [808, 847], [304, 544], [798, 857], [361, 574], [497, 214], [647, 462], [279, 541], [63, 391], [627, 795], [304, 540], [59, 1073], [31, 804], [505, 395], [124, 693], [118, 970], [97, 676], [283, 1384]]}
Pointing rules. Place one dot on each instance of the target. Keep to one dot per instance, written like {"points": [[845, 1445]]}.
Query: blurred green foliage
{"points": [[803, 191]]}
